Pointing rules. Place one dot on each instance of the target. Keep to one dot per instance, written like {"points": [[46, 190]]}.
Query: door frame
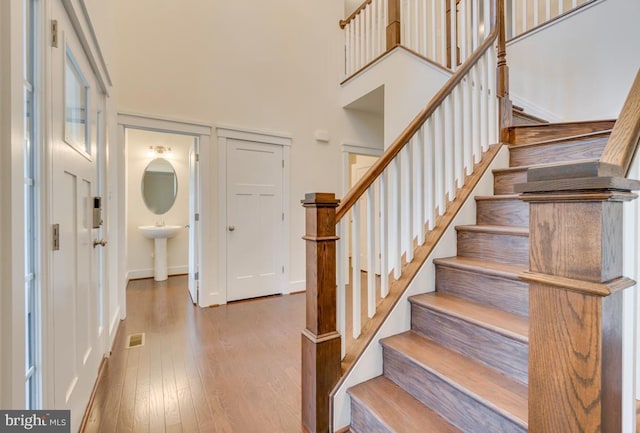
{"points": [[223, 134], [199, 130]]}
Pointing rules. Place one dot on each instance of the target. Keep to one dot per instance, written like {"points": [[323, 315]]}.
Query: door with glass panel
{"points": [[76, 332]]}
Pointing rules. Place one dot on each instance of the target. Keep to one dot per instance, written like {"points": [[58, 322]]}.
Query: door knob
{"points": [[232, 228], [100, 242]]}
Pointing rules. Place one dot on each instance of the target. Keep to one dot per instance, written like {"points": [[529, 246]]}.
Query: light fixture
{"points": [[160, 151]]}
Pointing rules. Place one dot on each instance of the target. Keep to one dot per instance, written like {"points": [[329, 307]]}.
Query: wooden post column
{"points": [[393, 26], [505, 109], [575, 302], [320, 339]]}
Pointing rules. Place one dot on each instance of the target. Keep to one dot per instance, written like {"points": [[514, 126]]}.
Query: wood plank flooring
{"points": [[233, 368]]}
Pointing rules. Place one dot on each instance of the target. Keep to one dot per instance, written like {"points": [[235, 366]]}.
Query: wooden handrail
{"points": [[625, 137], [398, 144], [346, 21]]}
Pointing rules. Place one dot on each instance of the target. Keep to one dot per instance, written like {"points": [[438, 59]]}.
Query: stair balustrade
{"points": [[387, 224]]}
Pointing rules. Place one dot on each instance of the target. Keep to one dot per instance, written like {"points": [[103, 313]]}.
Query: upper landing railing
{"points": [[429, 29]]}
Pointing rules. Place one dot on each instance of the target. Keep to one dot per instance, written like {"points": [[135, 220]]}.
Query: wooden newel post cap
{"points": [[320, 199]]}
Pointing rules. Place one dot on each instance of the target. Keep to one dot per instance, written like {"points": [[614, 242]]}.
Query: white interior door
{"points": [[254, 219], [75, 293], [194, 221]]}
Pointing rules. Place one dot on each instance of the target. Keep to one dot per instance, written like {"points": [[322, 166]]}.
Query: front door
{"points": [[254, 219], [75, 304]]}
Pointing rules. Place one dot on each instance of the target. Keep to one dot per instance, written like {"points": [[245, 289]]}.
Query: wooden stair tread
{"points": [[498, 230], [504, 270], [397, 409], [486, 385], [571, 138], [498, 197], [507, 324], [568, 124]]}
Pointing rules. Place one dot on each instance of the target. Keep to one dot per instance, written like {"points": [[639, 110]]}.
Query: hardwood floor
{"points": [[233, 368]]}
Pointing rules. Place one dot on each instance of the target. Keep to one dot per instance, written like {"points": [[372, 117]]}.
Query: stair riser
{"points": [[501, 248], [504, 294], [557, 152], [455, 406], [552, 132], [502, 213], [491, 348], [363, 421], [503, 182]]}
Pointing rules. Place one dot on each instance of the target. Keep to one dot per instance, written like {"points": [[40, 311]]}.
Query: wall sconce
{"points": [[160, 151]]}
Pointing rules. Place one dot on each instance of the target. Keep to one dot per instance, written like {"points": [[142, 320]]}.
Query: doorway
{"points": [[183, 145]]}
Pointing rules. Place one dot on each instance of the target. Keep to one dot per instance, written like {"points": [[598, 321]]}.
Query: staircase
{"points": [[463, 364]]}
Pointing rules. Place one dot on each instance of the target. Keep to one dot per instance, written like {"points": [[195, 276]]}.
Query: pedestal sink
{"points": [[160, 234]]}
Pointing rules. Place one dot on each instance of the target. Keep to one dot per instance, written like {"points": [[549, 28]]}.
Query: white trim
{"points": [[269, 137], [534, 110], [203, 133], [163, 124], [78, 15], [354, 149], [297, 286], [260, 136], [148, 273]]}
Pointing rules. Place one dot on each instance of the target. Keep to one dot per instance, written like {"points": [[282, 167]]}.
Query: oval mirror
{"points": [[159, 186]]}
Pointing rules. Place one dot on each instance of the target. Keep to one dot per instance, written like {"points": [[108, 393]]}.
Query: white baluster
{"points": [[442, 59], [429, 174], [418, 158], [439, 160], [356, 43], [484, 103], [574, 4], [355, 270], [453, 42], [475, 108], [449, 177], [459, 137], [547, 10], [491, 80], [424, 25], [407, 208], [384, 239], [371, 252], [536, 5], [395, 233], [475, 27], [366, 25], [525, 17], [433, 33], [467, 98], [514, 20], [463, 31], [341, 295]]}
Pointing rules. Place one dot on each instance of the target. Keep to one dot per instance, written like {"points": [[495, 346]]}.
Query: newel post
{"points": [[502, 74], [575, 298], [320, 339], [393, 26]]}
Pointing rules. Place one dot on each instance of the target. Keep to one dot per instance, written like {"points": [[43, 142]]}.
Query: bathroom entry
{"points": [[162, 205]]}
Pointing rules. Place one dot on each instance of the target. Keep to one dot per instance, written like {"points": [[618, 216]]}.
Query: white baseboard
{"points": [[297, 286], [148, 273], [533, 109]]}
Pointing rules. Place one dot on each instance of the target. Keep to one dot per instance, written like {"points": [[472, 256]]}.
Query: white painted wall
{"points": [[140, 249], [408, 82], [350, 6], [578, 68], [267, 66]]}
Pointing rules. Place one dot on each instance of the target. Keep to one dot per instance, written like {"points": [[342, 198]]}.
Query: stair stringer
{"points": [[369, 364]]}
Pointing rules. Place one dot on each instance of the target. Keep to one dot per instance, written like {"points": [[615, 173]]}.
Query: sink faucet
{"points": [[160, 223]]}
